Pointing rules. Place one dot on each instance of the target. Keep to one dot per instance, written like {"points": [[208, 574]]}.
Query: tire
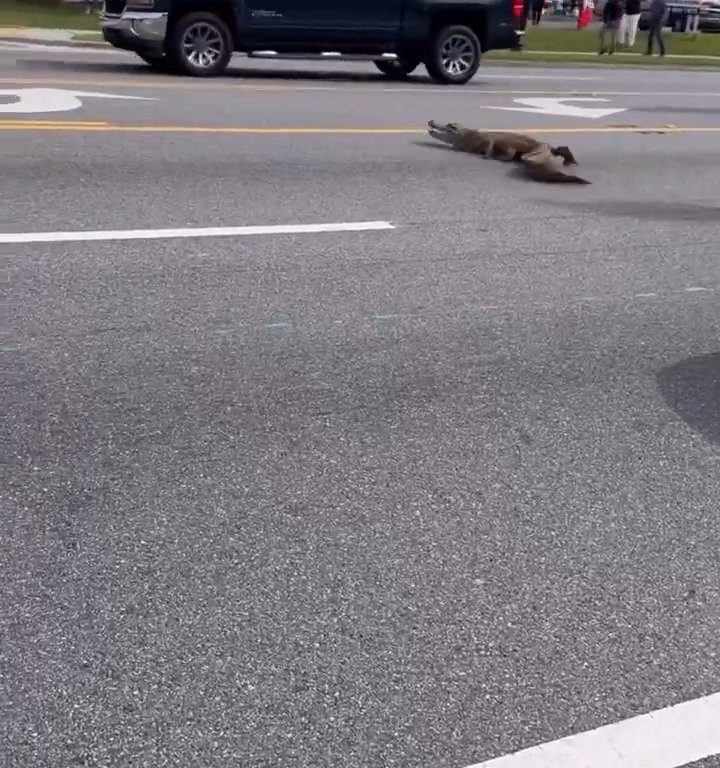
{"points": [[454, 55], [397, 69], [158, 63], [200, 45]]}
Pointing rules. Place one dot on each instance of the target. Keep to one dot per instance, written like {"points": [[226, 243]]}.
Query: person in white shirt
{"points": [[629, 23]]}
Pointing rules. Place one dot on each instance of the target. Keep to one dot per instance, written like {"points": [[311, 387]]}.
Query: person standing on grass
{"points": [[629, 23], [538, 6], [692, 20], [612, 13], [658, 12]]}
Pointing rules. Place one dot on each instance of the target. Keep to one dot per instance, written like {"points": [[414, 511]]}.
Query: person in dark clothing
{"points": [[537, 8], [527, 13], [658, 12], [612, 14]]}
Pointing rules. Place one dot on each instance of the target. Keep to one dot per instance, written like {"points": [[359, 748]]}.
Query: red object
{"points": [[584, 17], [518, 8]]}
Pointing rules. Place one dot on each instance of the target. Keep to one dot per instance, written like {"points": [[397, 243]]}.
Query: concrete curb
{"points": [[42, 36], [619, 54], [54, 43]]}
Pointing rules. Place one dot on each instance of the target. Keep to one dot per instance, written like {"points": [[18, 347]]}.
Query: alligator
{"points": [[537, 157]]}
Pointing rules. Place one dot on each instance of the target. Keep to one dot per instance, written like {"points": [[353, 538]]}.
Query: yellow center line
{"points": [[80, 126]]}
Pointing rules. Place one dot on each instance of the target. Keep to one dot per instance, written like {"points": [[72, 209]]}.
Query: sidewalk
{"points": [[618, 55], [80, 37]]}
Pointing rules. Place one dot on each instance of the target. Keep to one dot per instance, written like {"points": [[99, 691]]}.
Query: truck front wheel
{"points": [[397, 69], [454, 55], [200, 44]]}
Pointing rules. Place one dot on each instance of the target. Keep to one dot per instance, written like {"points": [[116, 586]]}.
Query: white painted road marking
{"points": [[666, 738], [160, 234], [547, 106], [37, 100]]}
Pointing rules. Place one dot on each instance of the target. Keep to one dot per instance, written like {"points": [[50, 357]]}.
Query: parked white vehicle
{"points": [[709, 15]]}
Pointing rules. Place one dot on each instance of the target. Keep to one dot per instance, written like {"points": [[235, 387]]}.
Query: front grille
{"points": [[114, 7]]}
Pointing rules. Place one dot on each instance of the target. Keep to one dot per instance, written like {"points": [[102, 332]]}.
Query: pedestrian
{"points": [[629, 22], [527, 12], [538, 6], [612, 13], [584, 14], [692, 20], [658, 12]]}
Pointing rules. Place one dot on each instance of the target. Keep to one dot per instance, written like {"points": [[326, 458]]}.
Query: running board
{"points": [[324, 56]]}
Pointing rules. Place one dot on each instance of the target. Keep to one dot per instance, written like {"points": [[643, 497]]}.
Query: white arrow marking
{"points": [[666, 738], [33, 100], [546, 106]]}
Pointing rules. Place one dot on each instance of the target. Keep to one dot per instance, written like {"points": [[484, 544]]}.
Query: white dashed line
{"points": [[666, 738], [162, 234]]}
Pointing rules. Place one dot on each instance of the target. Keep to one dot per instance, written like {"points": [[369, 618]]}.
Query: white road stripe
{"points": [[160, 234], [666, 738]]}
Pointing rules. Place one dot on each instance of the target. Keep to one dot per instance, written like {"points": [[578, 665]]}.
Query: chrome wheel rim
{"points": [[202, 45], [457, 55]]}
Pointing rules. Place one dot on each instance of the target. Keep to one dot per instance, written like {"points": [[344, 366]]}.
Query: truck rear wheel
{"points": [[454, 55], [397, 69], [200, 44]]}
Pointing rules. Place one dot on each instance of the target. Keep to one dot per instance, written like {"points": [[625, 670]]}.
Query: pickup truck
{"points": [[198, 37]]}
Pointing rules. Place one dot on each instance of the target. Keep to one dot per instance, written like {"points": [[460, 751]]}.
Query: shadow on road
{"points": [[252, 73], [650, 210], [324, 75], [238, 73], [433, 145], [692, 389]]}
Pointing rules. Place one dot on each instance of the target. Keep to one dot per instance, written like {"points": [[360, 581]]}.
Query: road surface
{"points": [[421, 495]]}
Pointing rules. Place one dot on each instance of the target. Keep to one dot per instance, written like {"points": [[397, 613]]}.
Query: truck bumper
{"points": [[138, 32]]}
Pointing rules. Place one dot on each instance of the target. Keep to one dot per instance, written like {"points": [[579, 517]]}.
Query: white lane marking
{"points": [[546, 106], [160, 234], [697, 289], [33, 100], [666, 738], [513, 76]]}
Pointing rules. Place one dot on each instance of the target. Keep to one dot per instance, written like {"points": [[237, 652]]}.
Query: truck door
{"points": [[322, 21]]}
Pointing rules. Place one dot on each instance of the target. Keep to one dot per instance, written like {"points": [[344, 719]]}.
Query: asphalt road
{"points": [[416, 497]]}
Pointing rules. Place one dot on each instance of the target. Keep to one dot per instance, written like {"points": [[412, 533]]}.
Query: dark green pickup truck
{"points": [[198, 37]]}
